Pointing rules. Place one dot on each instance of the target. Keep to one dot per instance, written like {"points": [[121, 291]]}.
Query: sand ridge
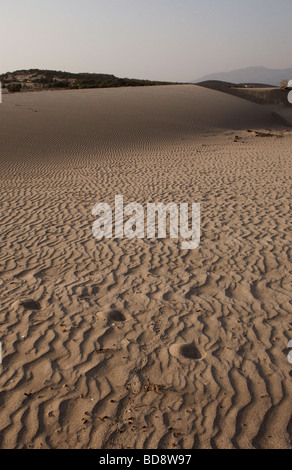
{"points": [[138, 343]]}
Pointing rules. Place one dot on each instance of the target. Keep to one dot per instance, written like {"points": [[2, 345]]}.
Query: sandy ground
{"points": [[138, 343]]}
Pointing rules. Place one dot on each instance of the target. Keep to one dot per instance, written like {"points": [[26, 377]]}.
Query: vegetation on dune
{"points": [[284, 84], [35, 79], [14, 87]]}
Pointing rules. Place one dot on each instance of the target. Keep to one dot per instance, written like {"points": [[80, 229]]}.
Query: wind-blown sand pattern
{"points": [[138, 343]]}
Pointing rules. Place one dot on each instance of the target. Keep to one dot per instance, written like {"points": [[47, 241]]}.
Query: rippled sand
{"points": [[138, 343]]}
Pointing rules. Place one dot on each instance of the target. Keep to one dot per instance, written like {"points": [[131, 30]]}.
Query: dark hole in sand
{"points": [[190, 352], [116, 315], [31, 304]]}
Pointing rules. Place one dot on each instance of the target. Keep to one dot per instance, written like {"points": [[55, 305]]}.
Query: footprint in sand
{"points": [[112, 316], [116, 316], [185, 351], [30, 304]]}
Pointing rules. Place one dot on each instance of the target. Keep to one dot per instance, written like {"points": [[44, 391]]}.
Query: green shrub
{"points": [[14, 87]]}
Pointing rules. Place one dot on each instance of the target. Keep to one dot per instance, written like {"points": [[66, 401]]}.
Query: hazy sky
{"points": [[177, 40]]}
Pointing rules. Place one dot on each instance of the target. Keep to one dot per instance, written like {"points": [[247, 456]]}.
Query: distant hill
{"points": [[35, 79], [250, 75]]}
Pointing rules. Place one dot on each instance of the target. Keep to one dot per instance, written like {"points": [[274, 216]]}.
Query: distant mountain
{"points": [[251, 75]]}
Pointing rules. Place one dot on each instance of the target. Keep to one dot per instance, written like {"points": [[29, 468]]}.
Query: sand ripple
{"points": [[136, 343]]}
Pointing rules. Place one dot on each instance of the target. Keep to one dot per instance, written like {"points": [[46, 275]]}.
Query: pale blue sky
{"points": [[177, 40]]}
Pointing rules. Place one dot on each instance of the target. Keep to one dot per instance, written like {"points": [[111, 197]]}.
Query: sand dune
{"points": [[88, 121], [140, 344]]}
